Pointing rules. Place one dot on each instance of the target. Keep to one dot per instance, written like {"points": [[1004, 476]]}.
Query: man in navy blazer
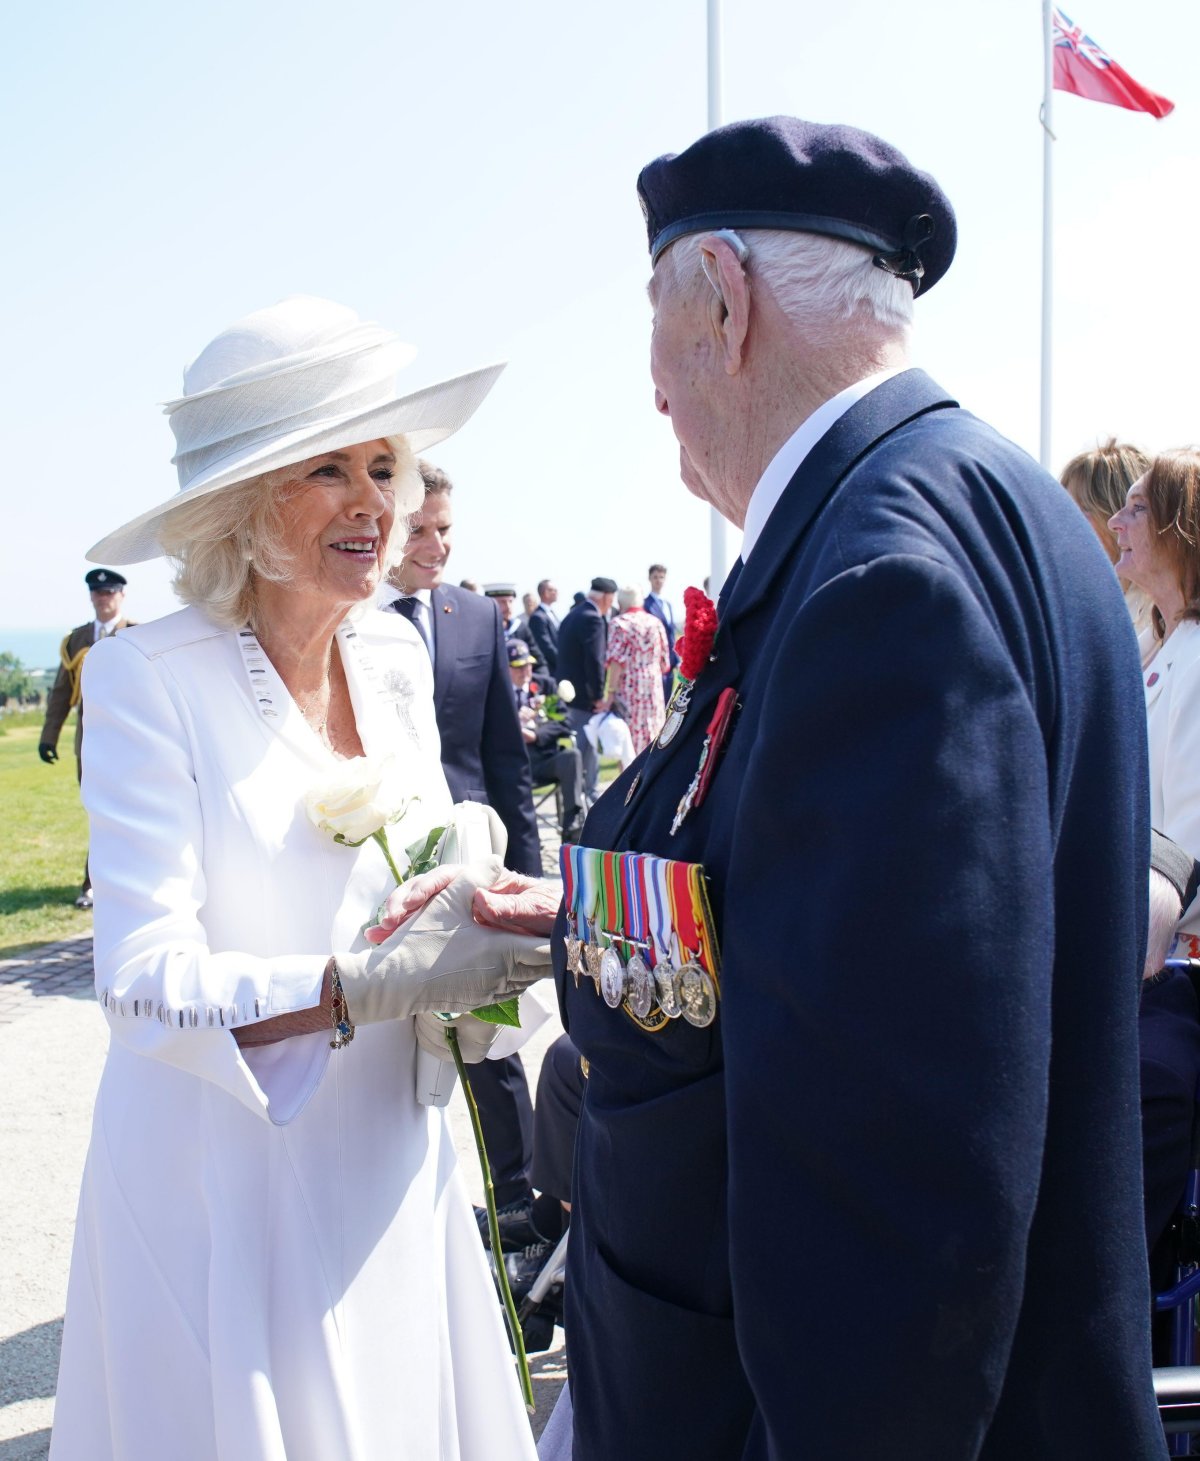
{"points": [[483, 756], [655, 604], [582, 655], [889, 1202], [543, 625]]}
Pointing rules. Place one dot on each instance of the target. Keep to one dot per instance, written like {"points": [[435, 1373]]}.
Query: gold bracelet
{"points": [[343, 1030]]}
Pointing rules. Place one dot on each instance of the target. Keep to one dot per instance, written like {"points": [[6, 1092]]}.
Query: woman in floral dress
{"points": [[638, 658]]}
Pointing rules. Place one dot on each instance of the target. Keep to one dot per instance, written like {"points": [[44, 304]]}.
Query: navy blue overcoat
{"points": [[889, 1204]]}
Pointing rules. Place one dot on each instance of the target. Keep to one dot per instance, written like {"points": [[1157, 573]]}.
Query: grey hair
{"points": [[1164, 916], [628, 598], [221, 544], [814, 278]]}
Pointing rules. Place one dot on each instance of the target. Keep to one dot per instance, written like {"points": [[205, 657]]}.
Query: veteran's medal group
{"points": [[640, 927]]}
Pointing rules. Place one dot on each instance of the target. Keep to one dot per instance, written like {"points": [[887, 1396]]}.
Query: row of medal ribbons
{"points": [[641, 928]]}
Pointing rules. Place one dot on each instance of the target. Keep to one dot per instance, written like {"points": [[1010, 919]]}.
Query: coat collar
{"points": [[1183, 648], [888, 407]]}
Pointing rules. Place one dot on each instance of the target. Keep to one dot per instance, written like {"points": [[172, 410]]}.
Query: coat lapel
{"points": [[447, 641]]}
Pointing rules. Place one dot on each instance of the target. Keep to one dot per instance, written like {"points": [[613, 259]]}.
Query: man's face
{"points": [[604, 603], [657, 579], [106, 602], [549, 594], [505, 601], [521, 675], [682, 365], [428, 545]]}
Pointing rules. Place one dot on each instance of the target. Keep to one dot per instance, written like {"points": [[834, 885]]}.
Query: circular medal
{"points": [[612, 978], [641, 986], [666, 987], [699, 995]]}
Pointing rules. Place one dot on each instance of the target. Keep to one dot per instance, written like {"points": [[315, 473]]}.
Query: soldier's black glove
{"points": [[47, 752]]}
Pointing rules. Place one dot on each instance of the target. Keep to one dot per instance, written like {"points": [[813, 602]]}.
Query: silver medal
{"points": [[675, 713], [612, 978], [666, 987], [699, 995], [641, 986]]}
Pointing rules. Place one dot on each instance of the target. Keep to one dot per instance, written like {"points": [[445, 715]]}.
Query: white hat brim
{"points": [[423, 418]]}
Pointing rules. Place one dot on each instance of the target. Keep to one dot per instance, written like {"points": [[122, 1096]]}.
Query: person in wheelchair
{"points": [[1169, 1047], [550, 747]]}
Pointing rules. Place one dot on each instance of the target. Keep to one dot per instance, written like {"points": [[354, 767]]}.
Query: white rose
{"points": [[566, 692], [357, 800]]}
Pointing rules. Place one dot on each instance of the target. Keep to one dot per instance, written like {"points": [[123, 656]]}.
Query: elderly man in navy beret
{"points": [[888, 1203]]}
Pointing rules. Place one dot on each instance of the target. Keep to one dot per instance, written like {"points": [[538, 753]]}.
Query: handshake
{"points": [[477, 940]]}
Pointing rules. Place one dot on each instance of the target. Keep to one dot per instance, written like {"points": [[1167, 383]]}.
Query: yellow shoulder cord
{"points": [[74, 668]]}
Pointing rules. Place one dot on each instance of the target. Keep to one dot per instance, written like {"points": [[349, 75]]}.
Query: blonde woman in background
{"points": [[1098, 482]]}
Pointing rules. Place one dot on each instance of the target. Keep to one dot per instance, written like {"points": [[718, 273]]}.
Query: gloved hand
{"points": [[47, 752], [475, 1037], [441, 959]]}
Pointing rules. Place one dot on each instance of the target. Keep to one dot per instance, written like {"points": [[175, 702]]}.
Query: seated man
{"points": [[552, 754]]}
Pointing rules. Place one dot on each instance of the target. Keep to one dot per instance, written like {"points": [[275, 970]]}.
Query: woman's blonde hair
{"points": [[1098, 481], [221, 544]]}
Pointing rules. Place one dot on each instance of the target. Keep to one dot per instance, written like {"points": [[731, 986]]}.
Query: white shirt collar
{"points": [[388, 593], [101, 630], [784, 464]]}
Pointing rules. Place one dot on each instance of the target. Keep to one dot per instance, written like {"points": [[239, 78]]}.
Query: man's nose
{"points": [[660, 403]]}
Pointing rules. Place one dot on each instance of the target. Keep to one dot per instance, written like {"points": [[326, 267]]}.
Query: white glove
{"points": [[475, 1037], [441, 959]]}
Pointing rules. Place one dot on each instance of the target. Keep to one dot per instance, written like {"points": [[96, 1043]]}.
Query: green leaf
{"points": [[420, 854], [504, 1013]]}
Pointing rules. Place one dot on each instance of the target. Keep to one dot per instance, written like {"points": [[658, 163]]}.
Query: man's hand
{"points": [[47, 752], [518, 904], [410, 898]]}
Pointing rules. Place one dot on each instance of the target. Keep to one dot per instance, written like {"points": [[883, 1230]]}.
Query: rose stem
{"points": [[489, 1194], [381, 838]]}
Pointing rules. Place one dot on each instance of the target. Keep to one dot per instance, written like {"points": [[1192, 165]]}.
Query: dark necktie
{"points": [[417, 615]]}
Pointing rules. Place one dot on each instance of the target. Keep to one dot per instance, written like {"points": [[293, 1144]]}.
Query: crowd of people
{"points": [[909, 774]]}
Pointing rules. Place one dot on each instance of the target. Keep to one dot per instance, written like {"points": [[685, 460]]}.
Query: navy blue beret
{"points": [[780, 172]]}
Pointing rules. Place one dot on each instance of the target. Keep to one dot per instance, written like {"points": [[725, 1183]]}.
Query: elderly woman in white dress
{"points": [[1158, 535], [274, 1257]]}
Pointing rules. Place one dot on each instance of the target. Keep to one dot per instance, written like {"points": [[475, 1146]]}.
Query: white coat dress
{"points": [[1172, 683], [274, 1257]]}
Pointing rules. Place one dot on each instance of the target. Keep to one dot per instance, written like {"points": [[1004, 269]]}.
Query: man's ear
{"points": [[729, 307]]}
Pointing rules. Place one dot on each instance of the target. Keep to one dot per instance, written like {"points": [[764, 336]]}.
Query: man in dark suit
{"points": [[483, 756], [925, 838], [582, 650], [107, 590], [543, 626], [654, 603], [549, 759]]}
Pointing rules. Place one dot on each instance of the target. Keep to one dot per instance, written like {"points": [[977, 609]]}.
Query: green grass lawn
{"points": [[45, 838]]}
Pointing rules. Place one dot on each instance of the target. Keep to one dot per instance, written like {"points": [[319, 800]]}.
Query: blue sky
{"points": [[465, 174]]}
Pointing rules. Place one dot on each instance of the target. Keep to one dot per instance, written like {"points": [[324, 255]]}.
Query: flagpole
{"points": [[1047, 233], [718, 555]]}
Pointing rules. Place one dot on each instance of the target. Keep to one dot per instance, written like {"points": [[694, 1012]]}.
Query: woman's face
{"points": [[1141, 557], [336, 519]]}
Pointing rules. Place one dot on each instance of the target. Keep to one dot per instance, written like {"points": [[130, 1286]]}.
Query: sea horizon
{"points": [[37, 649]]}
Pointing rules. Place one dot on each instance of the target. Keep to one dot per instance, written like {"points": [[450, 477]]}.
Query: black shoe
{"points": [[523, 1267], [515, 1220], [572, 832], [84, 900]]}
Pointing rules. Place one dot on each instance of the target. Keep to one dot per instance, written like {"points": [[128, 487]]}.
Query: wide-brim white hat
{"points": [[287, 383]]}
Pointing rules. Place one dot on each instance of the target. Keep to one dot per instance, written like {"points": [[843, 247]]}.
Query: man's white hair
{"points": [[820, 280]]}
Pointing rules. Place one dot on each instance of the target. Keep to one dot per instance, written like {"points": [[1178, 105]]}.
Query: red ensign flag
{"points": [[1080, 66]]}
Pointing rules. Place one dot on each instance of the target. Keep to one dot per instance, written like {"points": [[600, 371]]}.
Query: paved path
{"points": [[53, 1039]]}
